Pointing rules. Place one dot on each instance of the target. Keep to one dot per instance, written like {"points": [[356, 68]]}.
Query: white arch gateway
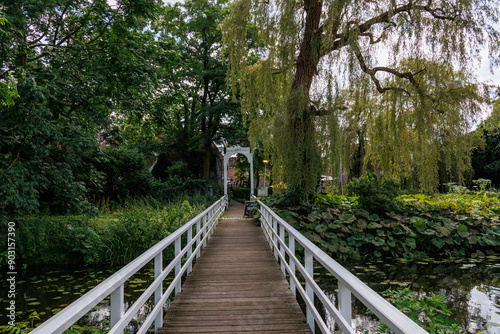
{"points": [[228, 152]]}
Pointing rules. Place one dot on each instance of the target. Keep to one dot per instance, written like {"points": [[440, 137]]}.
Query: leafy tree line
{"points": [[141, 76]]}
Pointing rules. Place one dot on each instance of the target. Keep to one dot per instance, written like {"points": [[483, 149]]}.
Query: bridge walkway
{"points": [[236, 286]]}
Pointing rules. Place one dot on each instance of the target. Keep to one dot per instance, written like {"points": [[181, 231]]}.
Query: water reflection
{"points": [[48, 290], [472, 288]]}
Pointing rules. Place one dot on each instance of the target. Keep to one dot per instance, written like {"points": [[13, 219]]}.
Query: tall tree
{"points": [[201, 106], [486, 159], [76, 63], [303, 45]]}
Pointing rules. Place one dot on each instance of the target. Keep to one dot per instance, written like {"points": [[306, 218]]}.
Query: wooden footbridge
{"points": [[245, 279], [236, 286]]}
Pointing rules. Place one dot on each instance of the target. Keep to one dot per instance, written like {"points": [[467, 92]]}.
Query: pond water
{"points": [[472, 288], [47, 290]]}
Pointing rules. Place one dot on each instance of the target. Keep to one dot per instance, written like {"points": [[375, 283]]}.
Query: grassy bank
{"points": [[115, 235]]}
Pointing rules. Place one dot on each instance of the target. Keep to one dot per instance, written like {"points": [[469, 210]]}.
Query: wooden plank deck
{"points": [[236, 286]]}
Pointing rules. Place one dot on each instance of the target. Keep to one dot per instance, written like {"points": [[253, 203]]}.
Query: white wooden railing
{"points": [[283, 239], [202, 225]]}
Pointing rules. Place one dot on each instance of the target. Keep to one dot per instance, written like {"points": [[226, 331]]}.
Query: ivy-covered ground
{"points": [[412, 226]]}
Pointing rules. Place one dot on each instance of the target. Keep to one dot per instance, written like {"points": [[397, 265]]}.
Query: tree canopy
{"points": [[311, 51], [76, 64]]}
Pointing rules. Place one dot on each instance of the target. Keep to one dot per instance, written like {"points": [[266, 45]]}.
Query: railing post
{"points": [[158, 264], [267, 226], [205, 229], [275, 238], [345, 306], [190, 249], [178, 264], [198, 228], [211, 223], [309, 266], [282, 248], [117, 305], [291, 246]]}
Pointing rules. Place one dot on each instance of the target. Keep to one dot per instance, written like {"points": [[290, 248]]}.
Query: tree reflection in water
{"points": [[472, 287]]}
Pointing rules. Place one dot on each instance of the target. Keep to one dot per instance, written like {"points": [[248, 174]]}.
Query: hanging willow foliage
{"points": [[293, 61]]}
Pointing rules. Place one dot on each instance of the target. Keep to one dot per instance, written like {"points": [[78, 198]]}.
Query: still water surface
{"points": [[472, 287]]}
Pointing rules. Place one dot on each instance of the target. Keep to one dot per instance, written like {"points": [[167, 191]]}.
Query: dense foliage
{"points": [[76, 63], [453, 225], [374, 193], [115, 237], [92, 92], [312, 54], [486, 159]]}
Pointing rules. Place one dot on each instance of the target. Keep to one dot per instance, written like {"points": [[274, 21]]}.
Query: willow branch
{"points": [[386, 18]]}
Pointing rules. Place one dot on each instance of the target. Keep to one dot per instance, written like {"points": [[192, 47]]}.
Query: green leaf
{"points": [[374, 217], [378, 241], [443, 229], [491, 240], [331, 235], [320, 228], [333, 247], [411, 243], [462, 231], [472, 240], [335, 225], [361, 224], [374, 225], [439, 243], [313, 237], [347, 218], [326, 216]]}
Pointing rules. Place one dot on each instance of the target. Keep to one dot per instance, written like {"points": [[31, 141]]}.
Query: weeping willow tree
{"points": [[291, 59], [422, 140]]}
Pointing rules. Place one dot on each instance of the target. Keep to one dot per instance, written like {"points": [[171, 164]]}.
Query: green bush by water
{"points": [[114, 237], [449, 225]]}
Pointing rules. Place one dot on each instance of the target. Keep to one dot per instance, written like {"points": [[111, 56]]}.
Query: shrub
{"points": [[374, 193], [176, 187], [242, 194], [126, 174], [139, 226], [60, 240], [115, 238]]}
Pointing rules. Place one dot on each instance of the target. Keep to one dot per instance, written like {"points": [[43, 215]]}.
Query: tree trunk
{"points": [[303, 160], [206, 160]]}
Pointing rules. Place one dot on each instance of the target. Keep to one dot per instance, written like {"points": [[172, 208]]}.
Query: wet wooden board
{"points": [[236, 287]]}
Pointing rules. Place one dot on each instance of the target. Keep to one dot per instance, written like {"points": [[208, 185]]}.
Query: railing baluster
{"points": [[275, 239], [345, 305], [158, 263], [198, 228], [291, 246], [190, 249], [309, 266], [282, 248], [205, 228], [117, 301], [178, 264]]}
